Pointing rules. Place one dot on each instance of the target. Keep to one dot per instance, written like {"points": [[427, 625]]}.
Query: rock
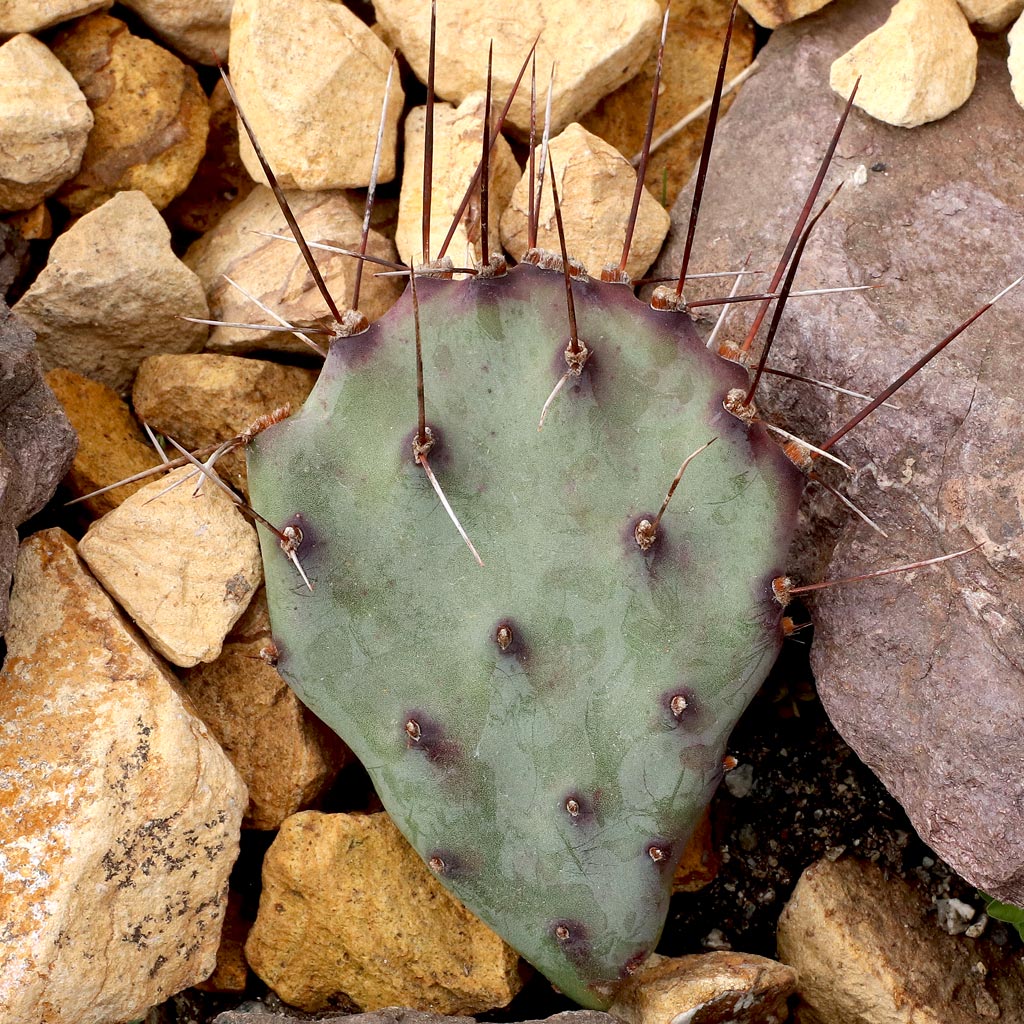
{"points": [[205, 399], [111, 446], [150, 110], [701, 859], [232, 972], [14, 257], [1015, 37], [595, 189], [274, 272], [198, 29], [183, 567], [33, 224], [693, 51], [258, 1013], [286, 756], [221, 179], [597, 47], [867, 952], [35, 15], [388, 933], [37, 443], [44, 123], [991, 15], [713, 988], [310, 77], [111, 294], [918, 67], [773, 13], [120, 815], [458, 135], [941, 221]]}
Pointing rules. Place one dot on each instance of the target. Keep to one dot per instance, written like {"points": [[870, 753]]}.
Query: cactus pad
{"points": [[547, 729]]}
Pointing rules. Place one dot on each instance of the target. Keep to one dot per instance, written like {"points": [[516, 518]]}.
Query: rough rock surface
{"points": [[595, 191], [286, 756], [111, 446], [714, 988], [45, 123], [918, 67], [273, 270], [597, 47], [387, 932], [35, 15], [111, 294], [37, 443], [693, 51], [773, 13], [204, 398], [991, 15], [184, 567], [1016, 59], [257, 1013], [232, 972], [867, 950], [458, 136], [310, 77], [198, 29], [701, 859], [923, 676], [119, 814], [150, 111]]}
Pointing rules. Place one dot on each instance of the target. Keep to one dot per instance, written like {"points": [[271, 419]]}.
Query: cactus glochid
{"points": [[545, 728]]}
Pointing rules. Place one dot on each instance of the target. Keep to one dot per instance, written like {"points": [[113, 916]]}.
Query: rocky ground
{"points": [[181, 838]]}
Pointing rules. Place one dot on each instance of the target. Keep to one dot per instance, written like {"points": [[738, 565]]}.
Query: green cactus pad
{"points": [[545, 730]]}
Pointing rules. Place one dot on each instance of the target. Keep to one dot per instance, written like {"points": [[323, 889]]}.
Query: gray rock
{"points": [[922, 674], [37, 444], [257, 1013]]}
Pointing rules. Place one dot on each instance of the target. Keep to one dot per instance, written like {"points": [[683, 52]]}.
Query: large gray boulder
{"points": [[923, 675]]}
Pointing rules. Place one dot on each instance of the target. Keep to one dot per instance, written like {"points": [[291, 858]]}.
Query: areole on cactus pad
{"points": [[547, 728]]}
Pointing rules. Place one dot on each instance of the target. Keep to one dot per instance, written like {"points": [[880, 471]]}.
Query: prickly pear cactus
{"points": [[547, 728]]}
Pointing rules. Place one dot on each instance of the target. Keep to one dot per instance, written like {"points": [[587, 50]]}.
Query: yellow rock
{"points": [[737, 987], [992, 15], [348, 908], [1016, 60], [595, 190], [203, 398], [457, 149], [918, 67]]}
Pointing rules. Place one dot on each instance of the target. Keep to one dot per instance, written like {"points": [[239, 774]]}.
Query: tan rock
{"points": [[44, 123], [221, 180], [111, 293], [119, 814], [32, 224], [1016, 60], [868, 950], [387, 933], [287, 757], [458, 137], [204, 399], [35, 15], [198, 29], [274, 272], [693, 51], [918, 67], [714, 988], [773, 13], [151, 115], [310, 77], [183, 567], [597, 47], [992, 15], [595, 189], [111, 446]]}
